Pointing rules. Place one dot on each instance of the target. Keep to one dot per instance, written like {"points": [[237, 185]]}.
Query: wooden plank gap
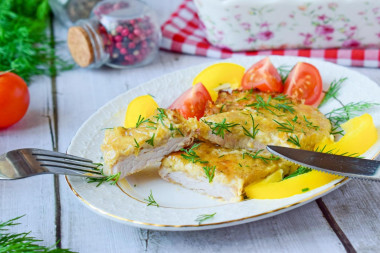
{"points": [[54, 135], [335, 227]]}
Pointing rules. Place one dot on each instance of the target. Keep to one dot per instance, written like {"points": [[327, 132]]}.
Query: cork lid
{"points": [[80, 46]]}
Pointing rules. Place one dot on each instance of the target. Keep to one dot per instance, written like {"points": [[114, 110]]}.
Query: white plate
{"points": [[180, 207]]}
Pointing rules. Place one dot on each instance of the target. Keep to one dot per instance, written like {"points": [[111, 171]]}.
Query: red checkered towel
{"points": [[183, 33]]}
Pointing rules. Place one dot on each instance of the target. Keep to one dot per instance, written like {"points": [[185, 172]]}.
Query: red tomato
{"points": [[14, 99], [193, 102], [304, 82], [262, 76]]}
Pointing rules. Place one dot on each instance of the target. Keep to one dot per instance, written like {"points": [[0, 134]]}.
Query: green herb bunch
{"points": [[21, 242], [25, 47]]}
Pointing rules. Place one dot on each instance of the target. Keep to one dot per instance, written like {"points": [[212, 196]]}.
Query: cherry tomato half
{"points": [[14, 99], [193, 102], [305, 83], [262, 76]]}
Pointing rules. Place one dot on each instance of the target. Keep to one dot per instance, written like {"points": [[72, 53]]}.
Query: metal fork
{"points": [[28, 162]]}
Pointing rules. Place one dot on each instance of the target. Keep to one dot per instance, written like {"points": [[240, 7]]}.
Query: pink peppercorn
{"points": [[124, 32], [123, 51], [118, 38]]}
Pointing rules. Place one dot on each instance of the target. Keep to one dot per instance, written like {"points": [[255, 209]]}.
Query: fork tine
{"points": [[74, 172], [69, 162], [58, 165], [41, 152]]}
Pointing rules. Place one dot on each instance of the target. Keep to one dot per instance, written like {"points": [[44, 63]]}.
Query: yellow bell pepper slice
{"points": [[360, 135], [143, 106], [219, 74]]}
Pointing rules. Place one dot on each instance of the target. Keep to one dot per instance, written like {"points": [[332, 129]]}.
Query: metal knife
{"points": [[335, 164]]}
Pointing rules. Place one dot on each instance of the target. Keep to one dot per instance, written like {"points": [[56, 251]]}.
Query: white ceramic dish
{"points": [[180, 207]]}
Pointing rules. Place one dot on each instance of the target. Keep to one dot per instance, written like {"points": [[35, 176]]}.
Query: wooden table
{"points": [[347, 219]]}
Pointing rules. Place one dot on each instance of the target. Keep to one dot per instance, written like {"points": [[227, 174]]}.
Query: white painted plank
{"points": [[34, 196], [301, 230]]}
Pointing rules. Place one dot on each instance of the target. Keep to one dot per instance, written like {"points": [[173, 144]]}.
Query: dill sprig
{"points": [[151, 140], [25, 47], [294, 140], [191, 155], [285, 127], [111, 178], [160, 116], [254, 129], [300, 170], [22, 242], [344, 113], [310, 124], [241, 99], [210, 172], [263, 158], [219, 128], [150, 200], [203, 217], [260, 103], [173, 129], [333, 90], [336, 152], [336, 130], [140, 121], [284, 71], [137, 144]]}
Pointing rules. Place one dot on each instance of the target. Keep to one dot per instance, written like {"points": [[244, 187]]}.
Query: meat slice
{"points": [[234, 169], [253, 120], [131, 150]]}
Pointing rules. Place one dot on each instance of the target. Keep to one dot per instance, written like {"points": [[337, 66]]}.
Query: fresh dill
{"points": [[260, 103], [172, 129], [241, 99], [150, 200], [137, 145], [151, 95], [160, 116], [221, 109], [344, 113], [220, 156], [300, 170], [151, 140], [295, 119], [285, 127], [333, 90], [263, 158], [294, 140], [219, 128], [254, 129], [203, 217], [22, 242], [100, 180], [336, 130], [106, 128], [305, 189], [191, 155], [336, 152], [210, 172], [310, 124], [152, 127], [284, 71], [140, 121]]}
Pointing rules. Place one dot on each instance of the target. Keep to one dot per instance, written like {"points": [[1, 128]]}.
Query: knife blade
{"points": [[335, 164]]}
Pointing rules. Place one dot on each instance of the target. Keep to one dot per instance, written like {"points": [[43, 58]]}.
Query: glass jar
{"points": [[120, 34]]}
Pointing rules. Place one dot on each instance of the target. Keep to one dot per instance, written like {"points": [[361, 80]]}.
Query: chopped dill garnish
{"points": [[300, 170], [151, 95], [294, 140], [219, 128], [151, 140], [261, 104], [305, 189], [344, 113], [22, 242], [114, 178], [106, 128], [240, 165], [203, 217], [221, 109], [333, 90], [254, 129], [284, 71], [151, 201], [285, 127], [152, 127], [172, 128], [241, 99], [295, 118], [281, 97], [309, 124], [336, 152], [140, 120], [335, 130], [210, 172], [160, 116], [191, 155], [137, 145], [220, 156], [263, 158]]}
